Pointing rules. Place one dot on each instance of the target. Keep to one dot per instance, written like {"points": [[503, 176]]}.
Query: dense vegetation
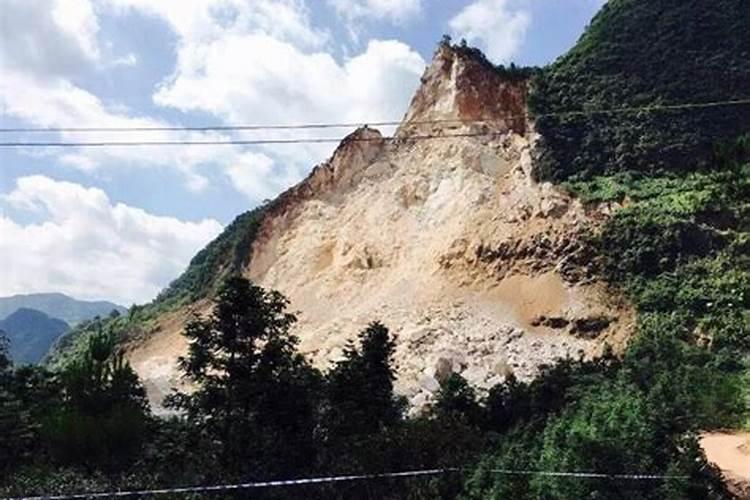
{"points": [[509, 72], [261, 412], [678, 249], [639, 53], [225, 256]]}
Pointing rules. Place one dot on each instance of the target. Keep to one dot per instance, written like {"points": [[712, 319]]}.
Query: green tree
{"points": [[104, 412], [456, 399], [255, 394], [15, 429], [360, 394]]}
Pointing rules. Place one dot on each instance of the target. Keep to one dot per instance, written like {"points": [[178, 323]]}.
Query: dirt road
{"points": [[731, 453]]}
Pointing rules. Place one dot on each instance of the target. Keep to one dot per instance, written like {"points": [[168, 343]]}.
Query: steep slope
{"points": [[31, 333], [447, 240], [645, 53], [58, 305]]}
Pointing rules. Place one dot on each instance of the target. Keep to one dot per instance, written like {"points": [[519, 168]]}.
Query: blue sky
{"points": [[120, 223]]}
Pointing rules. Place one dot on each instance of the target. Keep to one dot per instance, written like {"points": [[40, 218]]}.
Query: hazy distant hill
{"points": [[31, 333], [57, 305]]}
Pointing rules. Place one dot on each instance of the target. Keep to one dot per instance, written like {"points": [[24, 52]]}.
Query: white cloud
{"points": [[242, 61], [128, 60], [398, 11], [204, 20], [46, 45], [253, 175], [56, 102], [278, 83], [252, 72], [90, 247], [493, 25], [48, 37]]}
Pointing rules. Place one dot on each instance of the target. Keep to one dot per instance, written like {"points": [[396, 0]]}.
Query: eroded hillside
{"points": [[440, 233]]}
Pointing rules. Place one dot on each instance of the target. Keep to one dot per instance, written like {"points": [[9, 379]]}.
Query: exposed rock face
{"points": [[457, 89], [447, 241]]}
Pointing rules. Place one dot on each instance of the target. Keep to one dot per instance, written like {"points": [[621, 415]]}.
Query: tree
{"points": [[14, 429], [360, 387], [458, 400], [104, 410], [255, 394]]}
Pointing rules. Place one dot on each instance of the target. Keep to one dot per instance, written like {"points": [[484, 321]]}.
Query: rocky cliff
{"points": [[440, 233]]}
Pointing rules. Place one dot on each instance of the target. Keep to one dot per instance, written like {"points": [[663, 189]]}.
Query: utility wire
{"points": [[207, 128], [337, 479], [240, 142]]}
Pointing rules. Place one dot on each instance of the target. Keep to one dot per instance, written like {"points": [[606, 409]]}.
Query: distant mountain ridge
{"points": [[58, 305], [31, 333]]}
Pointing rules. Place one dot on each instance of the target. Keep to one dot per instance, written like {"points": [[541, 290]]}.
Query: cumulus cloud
{"points": [[256, 176], [43, 45], [279, 82], [90, 247], [398, 11], [56, 102], [495, 26], [48, 37], [205, 20], [243, 61], [250, 69]]}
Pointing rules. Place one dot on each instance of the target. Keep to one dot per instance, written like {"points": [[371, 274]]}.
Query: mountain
{"points": [[449, 242], [641, 54], [58, 305], [511, 223], [467, 243], [31, 333]]}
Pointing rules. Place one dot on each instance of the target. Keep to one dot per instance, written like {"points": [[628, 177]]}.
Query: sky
{"points": [[120, 223]]}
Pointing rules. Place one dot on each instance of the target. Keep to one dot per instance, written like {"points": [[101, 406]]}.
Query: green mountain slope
{"points": [[58, 305], [31, 333], [640, 53], [225, 256]]}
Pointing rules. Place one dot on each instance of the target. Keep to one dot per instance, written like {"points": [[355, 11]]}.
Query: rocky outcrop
{"points": [[460, 90], [448, 242]]}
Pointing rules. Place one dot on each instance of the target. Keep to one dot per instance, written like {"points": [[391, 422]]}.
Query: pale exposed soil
{"points": [[401, 244], [155, 358]]}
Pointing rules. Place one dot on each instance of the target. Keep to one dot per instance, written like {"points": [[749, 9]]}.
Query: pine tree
{"points": [[458, 400], [255, 394], [104, 412], [16, 430], [360, 386]]}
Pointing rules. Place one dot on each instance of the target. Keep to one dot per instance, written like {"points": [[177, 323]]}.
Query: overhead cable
{"points": [[346, 478], [303, 126]]}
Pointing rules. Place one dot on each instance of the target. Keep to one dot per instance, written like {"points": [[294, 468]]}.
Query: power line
{"points": [[209, 128], [587, 475], [239, 142], [337, 479], [256, 127]]}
